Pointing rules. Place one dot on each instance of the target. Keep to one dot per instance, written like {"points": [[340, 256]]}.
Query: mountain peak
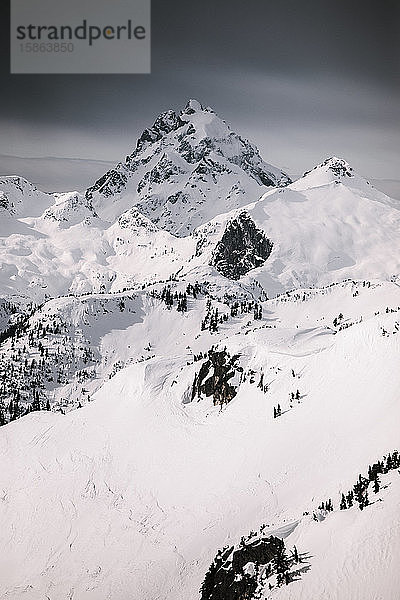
{"points": [[192, 106], [332, 169], [338, 166], [22, 198], [187, 167]]}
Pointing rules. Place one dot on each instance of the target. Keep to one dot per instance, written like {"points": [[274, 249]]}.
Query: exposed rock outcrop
{"points": [[243, 247], [243, 572], [215, 377]]}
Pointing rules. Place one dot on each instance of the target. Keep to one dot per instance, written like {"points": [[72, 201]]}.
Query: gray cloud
{"points": [[301, 79]]}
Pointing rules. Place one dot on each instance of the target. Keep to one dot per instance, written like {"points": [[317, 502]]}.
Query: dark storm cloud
{"points": [[335, 36], [299, 78]]}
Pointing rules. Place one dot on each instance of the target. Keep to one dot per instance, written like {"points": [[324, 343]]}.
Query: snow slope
{"points": [[131, 495]]}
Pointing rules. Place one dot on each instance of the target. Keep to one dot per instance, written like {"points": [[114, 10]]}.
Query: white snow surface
{"points": [[131, 495]]}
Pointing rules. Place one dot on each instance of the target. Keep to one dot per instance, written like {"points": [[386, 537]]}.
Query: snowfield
{"points": [[156, 411]]}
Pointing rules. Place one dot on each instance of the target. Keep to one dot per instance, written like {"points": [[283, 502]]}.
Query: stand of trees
{"points": [[272, 565], [359, 494]]}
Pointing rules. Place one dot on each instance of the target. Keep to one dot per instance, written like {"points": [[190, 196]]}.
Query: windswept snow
{"points": [[131, 495]]}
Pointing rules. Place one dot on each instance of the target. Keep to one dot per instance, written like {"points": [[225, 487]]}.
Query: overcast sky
{"points": [[303, 80]]}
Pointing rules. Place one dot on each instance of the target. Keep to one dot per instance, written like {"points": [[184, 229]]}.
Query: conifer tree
{"points": [[282, 564], [261, 382]]}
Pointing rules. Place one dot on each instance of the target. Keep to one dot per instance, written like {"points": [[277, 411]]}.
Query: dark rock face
{"points": [[179, 196], [214, 377], [248, 161], [110, 183], [168, 121], [193, 151], [338, 166], [4, 202], [227, 577], [242, 248], [163, 171]]}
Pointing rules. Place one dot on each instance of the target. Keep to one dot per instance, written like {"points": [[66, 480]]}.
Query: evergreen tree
{"points": [[182, 303], [361, 492], [261, 382], [281, 564], [14, 408], [389, 463], [36, 401]]}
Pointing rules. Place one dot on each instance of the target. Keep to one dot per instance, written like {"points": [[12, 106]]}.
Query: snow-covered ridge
{"points": [[321, 228], [21, 198]]}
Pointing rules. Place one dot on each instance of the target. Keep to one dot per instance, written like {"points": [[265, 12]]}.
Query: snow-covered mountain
{"points": [[198, 379], [329, 225], [185, 169]]}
